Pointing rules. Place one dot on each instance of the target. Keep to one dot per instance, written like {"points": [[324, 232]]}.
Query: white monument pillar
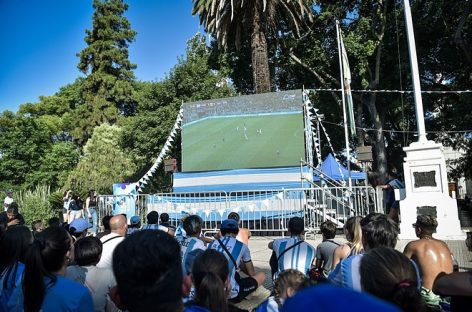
{"points": [[426, 187]]}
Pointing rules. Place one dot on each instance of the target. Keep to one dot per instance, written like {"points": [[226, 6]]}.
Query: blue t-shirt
{"points": [[299, 257], [63, 295], [14, 281]]}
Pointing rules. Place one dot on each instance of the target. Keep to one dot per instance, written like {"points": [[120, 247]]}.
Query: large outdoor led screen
{"points": [[254, 131]]}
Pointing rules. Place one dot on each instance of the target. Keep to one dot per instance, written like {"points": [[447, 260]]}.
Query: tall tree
{"points": [[108, 88], [231, 21]]}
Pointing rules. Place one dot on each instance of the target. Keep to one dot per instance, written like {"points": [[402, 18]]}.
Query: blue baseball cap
{"points": [[80, 225], [229, 224], [335, 299], [134, 220]]}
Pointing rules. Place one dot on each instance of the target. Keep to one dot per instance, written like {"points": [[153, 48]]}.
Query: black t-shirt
{"points": [[4, 218]]}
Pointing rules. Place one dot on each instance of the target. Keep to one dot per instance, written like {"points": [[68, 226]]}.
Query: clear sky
{"points": [[40, 40]]}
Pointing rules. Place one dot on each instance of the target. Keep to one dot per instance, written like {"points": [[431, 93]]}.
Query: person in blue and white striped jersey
{"points": [[237, 253], [292, 252], [193, 228]]}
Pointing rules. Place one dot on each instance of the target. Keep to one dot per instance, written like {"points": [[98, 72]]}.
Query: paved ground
{"points": [[261, 254]]}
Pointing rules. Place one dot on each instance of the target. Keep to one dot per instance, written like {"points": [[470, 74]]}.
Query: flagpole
{"points": [[415, 73], [346, 131]]}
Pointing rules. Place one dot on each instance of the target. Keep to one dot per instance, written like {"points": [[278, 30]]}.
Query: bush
{"points": [[35, 205]]}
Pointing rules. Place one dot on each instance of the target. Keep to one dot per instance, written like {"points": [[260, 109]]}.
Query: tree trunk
{"points": [[378, 142], [260, 62]]}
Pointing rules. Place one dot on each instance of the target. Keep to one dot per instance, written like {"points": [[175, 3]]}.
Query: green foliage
{"points": [[108, 89], [102, 164], [34, 204]]}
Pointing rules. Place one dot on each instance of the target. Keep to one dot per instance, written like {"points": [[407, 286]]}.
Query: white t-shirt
{"points": [[8, 200], [98, 280], [188, 244], [239, 251], [109, 242]]}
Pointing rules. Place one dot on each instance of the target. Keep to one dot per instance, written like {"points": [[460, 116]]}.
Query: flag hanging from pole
{"points": [[347, 87]]}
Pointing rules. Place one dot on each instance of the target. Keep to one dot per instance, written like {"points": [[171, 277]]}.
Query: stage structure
{"points": [[256, 155]]}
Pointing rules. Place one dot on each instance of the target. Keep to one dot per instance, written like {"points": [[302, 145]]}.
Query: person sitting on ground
{"points": [[432, 256], [292, 252], [78, 228], [11, 216], [13, 247], [193, 228], [236, 251], [325, 250], [99, 281], [353, 232], [54, 221], [134, 225], [210, 273], [152, 224], [377, 230], [164, 217], [118, 229], [288, 283], [244, 234], [153, 280], [37, 227], [44, 287], [188, 290], [387, 274]]}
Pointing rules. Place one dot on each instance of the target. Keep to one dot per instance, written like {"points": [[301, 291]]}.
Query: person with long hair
{"points": [[13, 246], [91, 209], [210, 272], [44, 287], [353, 232], [389, 275]]}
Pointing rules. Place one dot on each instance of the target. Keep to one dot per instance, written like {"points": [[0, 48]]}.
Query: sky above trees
{"points": [[41, 39]]}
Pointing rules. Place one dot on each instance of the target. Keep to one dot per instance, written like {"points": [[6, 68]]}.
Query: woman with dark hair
{"points": [[353, 233], [44, 287], [87, 253], [91, 209], [210, 277], [13, 246], [389, 275]]}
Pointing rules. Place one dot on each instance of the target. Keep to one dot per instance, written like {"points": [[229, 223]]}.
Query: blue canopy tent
{"points": [[334, 170]]}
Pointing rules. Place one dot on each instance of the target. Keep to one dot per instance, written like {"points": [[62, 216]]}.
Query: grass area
{"points": [[243, 142]]}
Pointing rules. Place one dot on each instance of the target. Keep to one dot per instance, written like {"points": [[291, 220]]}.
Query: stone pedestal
{"points": [[426, 192]]}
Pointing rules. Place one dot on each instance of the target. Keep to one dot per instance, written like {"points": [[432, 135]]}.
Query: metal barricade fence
{"points": [[263, 212]]}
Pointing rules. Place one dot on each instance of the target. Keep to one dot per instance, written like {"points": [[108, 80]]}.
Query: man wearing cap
{"points": [[8, 199], [78, 228], [432, 256], [118, 229], [292, 252], [237, 252], [134, 225]]}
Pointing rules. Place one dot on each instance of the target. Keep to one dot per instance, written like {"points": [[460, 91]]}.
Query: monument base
{"points": [[426, 190]]}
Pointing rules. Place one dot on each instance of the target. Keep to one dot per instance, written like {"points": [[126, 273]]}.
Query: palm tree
{"points": [[230, 20]]}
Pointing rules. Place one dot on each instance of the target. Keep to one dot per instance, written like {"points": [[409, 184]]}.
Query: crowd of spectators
{"points": [[130, 266]]}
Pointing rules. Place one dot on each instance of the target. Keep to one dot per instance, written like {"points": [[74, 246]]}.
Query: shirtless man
{"points": [[243, 234], [432, 256]]}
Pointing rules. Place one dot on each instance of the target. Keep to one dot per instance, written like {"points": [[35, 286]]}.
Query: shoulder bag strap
{"points": [[294, 245], [228, 253], [110, 239]]}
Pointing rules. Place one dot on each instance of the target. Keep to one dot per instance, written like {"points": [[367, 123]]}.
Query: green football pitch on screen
{"points": [[244, 141]]}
